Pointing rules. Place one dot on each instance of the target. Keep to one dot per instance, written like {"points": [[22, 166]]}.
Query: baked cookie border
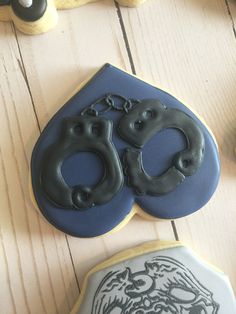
{"points": [[136, 209]]}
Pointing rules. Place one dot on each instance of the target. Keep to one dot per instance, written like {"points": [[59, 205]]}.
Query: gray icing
{"points": [[139, 125], [168, 281], [163, 285]]}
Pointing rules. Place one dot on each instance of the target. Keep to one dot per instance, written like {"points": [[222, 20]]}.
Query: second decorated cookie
{"points": [[156, 278], [121, 147]]}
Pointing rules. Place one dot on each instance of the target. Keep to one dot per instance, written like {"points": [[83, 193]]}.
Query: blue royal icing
{"points": [[86, 168]]}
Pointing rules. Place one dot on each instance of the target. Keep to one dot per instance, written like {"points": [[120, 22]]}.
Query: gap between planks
{"points": [[231, 17], [134, 72], [23, 70]]}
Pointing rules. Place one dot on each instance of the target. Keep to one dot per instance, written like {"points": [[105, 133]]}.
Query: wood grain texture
{"points": [[189, 49], [36, 270], [186, 47]]}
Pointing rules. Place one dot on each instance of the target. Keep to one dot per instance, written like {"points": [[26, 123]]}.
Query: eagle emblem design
{"points": [[163, 286]]}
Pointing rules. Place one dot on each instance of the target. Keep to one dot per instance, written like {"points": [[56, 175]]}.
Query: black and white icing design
{"points": [[166, 281], [163, 286]]}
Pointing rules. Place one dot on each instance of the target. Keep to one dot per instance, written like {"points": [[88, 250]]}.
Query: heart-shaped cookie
{"points": [[121, 147]]}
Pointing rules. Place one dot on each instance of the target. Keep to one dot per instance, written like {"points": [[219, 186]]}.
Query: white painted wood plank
{"points": [[36, 270]]}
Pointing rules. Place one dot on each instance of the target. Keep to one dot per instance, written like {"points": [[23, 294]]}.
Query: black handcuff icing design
{"points": [[90, 132]]}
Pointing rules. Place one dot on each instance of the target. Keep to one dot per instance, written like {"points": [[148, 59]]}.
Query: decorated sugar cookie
{"points": [[163, 277], [121, 147], [39, 16]]}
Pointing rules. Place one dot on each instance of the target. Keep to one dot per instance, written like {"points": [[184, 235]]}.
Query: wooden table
{"points": [[187, 47]]}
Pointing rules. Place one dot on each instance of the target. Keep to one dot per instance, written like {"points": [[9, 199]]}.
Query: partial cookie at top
{"points": [[38, 16]]}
